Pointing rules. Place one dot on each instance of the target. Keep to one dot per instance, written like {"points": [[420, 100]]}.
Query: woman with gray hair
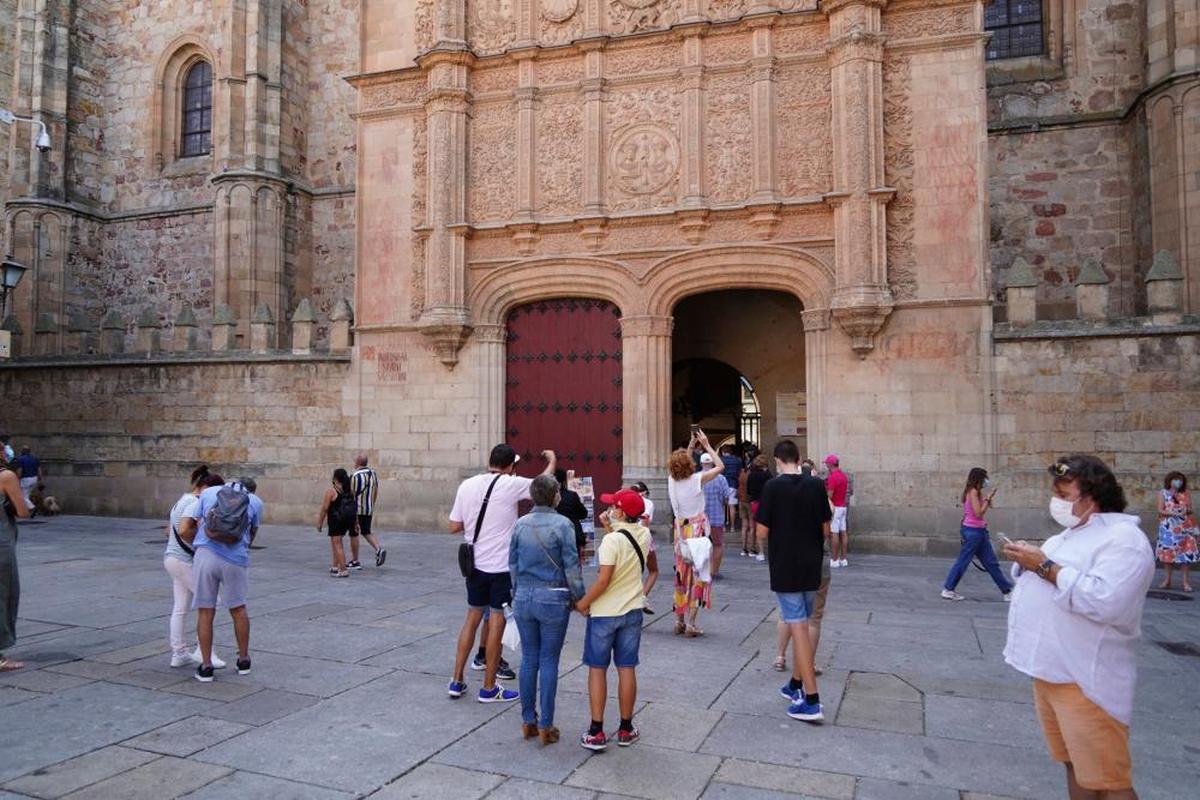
{"points": [[547, 580]]}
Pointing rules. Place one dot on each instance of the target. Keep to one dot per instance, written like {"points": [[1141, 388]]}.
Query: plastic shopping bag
{"points": [[512, 636]]}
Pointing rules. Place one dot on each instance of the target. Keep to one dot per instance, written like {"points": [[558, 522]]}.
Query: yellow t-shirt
{"points": [[624, 592]]}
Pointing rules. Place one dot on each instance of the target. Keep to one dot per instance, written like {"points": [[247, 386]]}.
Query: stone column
{"points": [[341, 319], [1091, 291], [224, 331], [1164, 285], [303, 320], [46, 335], [490, 342], [262, 329], [691, 168], [816, 347], [1021, 291], [81, 330], [149, 339], [862, 300], [112, 333], [646, 397], [525, 235], [593, 225], [446, 320], [186, 336]]}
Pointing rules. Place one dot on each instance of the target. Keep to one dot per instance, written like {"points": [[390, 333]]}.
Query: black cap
{"points": [[503, 457]]}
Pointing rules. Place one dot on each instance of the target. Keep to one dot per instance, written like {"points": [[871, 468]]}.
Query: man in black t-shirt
{"points": [[793, 515]]}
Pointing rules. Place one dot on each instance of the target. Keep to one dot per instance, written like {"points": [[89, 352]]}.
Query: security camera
{"points": [[43, 141]]}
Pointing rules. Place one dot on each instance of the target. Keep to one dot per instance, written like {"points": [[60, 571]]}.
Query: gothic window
{"points": [[196, 127], [1016, 27]]}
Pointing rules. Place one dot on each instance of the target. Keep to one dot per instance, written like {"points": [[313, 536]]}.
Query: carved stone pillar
{"points": [[862, 300], [762, 110], [186, 337], [816, 347], [112, 333], [262, 329], [224, 329], [340, 320], [149, 332], [303, 322], [446, 320], [46, 335], [249, 247], [646, 396], [490, 342], [691, 184], [592, 90]]}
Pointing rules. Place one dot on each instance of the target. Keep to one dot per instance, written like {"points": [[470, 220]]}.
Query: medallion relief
{"points": [[491, 25], [558, 10], [632, 16], [559, 21], [643, 158]]}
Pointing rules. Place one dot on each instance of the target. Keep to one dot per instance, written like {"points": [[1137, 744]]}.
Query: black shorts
{"points": [[335, 533], [486, 589], [364, 525]]}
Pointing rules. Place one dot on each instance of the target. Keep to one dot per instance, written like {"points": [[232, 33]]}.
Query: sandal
{"points": [[343, 574], [693, 632], [8, 665], [680, 627], [780, 664]]}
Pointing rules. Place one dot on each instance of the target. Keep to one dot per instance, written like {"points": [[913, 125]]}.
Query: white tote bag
{"points": [[512, 636]]}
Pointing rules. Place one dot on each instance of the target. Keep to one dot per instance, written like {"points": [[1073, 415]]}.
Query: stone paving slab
{"points": [[68, 776], [348, 697]]}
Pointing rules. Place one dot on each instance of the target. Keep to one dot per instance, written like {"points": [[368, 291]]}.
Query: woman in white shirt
{"points": [[1076, 615], [684, 487], [177, 561]]}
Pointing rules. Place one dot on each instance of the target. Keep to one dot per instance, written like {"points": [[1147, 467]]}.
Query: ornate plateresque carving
{"points": [[643, 157], [898, 169], [560, 158], [802, 101], [631, 16], [424, 24], [420, 150], [728, 143], [491, 25], [558, 10], [492, 170], [559, 21]]}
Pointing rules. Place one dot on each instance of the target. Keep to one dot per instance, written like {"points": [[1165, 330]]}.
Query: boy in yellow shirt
{"points": [[615, 604]]}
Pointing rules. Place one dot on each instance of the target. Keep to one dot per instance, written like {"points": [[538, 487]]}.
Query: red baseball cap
{"points": [[630, 502]]}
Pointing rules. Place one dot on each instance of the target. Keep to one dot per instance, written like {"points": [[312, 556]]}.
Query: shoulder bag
{"points": [[636, 549], [466, 552]]}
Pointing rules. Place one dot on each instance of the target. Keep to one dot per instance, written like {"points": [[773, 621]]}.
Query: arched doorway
{"points": [[738, 367], [563, 387]]}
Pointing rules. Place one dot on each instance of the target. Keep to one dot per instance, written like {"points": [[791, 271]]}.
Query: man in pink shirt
{"points": [[837, 485]]}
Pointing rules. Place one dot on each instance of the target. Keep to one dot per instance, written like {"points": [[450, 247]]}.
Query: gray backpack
{"points": [[226, 522]]}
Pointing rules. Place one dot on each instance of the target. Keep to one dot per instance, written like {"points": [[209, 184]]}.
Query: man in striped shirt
{"points": [[365, 485]]}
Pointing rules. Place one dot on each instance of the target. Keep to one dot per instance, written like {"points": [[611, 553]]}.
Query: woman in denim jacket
{"points": [[546, 581]]}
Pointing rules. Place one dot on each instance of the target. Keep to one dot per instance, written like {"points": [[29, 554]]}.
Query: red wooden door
{"points": [[564, 387]]}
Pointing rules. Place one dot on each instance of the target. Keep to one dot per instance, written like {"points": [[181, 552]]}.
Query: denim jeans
{"points": [[975, 542], [542, 615]]}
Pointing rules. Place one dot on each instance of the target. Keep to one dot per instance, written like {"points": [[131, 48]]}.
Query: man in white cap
{"points": [[716, 495]]}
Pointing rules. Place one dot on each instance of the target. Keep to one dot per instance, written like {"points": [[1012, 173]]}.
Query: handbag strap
{"points": [[182, 544], [545, 550], [636, 549], [483, 509]]}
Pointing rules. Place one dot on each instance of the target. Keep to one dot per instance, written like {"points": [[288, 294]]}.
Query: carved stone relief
{"points": [[730, 48], [898, 173], [424, 24], [559, 71], [559, 21], [491, 173], [802, 102], [420, 154], [491, 25], [643, 148], [559, 158], [928, 22], [640, 59], [726, 9], [390, 95], [810, 38], [727, 141], [498, 78], [632, 16]]}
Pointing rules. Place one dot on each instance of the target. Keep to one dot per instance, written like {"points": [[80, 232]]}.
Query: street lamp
{"points": [[43, 139], [10, 275]]}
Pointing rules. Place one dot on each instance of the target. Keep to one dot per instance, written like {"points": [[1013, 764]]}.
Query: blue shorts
{"points": [[614, 639], [796, 606]]}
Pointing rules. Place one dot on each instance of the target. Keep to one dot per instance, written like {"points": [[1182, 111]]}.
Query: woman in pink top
{"points": [[975, 541]]}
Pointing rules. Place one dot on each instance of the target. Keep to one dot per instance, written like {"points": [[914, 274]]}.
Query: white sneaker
{"points": [[182, 660], [760, 557], [834, 563], [949, 595], [844, 563], [197, 659], [1007, 597]]}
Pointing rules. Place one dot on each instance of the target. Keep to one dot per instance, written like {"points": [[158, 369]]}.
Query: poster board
{"points": [[583, 487], [791, 413]]}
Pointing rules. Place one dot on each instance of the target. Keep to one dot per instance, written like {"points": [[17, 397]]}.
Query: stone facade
{"points": [[950, 259]]}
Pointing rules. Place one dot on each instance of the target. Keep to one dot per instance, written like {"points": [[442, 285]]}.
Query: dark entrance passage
{"points": [[563, 387], [738, 368]]}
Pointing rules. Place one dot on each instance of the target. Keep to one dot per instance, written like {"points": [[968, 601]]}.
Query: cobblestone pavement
{"points": [[347, 697]]}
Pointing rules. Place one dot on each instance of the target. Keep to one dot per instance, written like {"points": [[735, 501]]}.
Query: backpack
{"points": [[343, 512], [227, 521]]}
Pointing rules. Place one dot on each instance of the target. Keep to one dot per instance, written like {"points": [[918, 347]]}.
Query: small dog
{"points": [[43, 503]]}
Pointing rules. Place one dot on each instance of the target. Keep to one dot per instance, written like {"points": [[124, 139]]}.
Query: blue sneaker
{"points": [[498, 695], [791, 696], [456, 688], [806, 711]]}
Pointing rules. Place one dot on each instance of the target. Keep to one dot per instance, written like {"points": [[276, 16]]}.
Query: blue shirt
{"points": [[716, 495], [542, 549], [733, 468], [28, 465], [239, 553]]}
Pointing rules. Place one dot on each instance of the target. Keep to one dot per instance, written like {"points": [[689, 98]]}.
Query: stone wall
{"points": [[121, 438]]}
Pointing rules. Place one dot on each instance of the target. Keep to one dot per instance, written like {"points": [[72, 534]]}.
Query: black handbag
{"points": [[466, 552]]}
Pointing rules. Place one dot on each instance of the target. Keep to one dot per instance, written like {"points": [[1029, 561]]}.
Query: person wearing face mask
{"points": [[1177, 531], [1076, 615], [974, 532]]}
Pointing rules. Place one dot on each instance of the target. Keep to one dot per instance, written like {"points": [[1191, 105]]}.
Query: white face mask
{"points": [[1177, 484], [1063, 512]]}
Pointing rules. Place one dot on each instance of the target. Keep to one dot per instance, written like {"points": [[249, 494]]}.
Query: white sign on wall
{"points": [[5, 344]]}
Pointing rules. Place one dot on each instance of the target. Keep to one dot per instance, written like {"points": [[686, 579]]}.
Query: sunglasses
{"points": [[1061, 470]]}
